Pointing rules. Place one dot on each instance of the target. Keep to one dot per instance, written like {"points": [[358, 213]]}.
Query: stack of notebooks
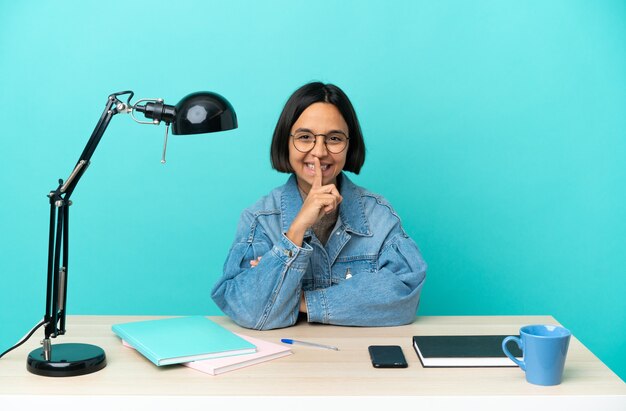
{"points": [[196, 342]]}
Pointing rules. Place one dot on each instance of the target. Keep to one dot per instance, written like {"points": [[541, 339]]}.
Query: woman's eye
{"points": [[336, 139]]}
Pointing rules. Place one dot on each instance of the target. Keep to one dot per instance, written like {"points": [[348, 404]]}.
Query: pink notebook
{"points": [[265, 351]]}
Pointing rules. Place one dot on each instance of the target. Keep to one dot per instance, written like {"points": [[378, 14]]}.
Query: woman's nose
{"points": [[319, 149]]}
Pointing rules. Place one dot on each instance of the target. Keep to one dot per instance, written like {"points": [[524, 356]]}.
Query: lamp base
{"points": [[67, 360]]}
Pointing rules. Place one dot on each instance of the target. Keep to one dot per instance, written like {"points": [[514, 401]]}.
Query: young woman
{"points": [[320, 246]]}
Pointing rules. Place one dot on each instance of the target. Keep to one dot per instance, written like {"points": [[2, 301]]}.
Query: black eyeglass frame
{"points": [[325, 143]]}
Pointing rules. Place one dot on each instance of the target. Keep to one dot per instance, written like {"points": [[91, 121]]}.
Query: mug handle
{"points": [[520, 344]]}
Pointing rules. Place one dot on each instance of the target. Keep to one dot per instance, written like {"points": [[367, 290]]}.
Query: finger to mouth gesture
{"points": [[327, 196], [317, 178], [321, 199]]}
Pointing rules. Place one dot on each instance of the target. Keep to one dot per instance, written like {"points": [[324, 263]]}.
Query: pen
{"points": [[310, 344]]}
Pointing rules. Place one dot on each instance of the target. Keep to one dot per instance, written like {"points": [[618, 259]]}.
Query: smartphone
{"points": [[387, 356]]}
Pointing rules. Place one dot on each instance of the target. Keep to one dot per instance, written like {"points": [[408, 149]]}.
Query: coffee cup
{"points": [[544, 350]]}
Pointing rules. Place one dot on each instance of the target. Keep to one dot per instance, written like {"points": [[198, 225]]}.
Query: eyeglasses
{"points": [[335, 142]]}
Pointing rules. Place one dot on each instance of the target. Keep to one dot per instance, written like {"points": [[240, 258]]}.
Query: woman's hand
{"points": [[321, 199], [303, 308]]}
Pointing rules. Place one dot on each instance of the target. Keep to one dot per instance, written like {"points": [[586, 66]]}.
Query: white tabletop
{"points": [[317, 374]]}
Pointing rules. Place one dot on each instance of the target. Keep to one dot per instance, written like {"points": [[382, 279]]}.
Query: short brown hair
{"points": [[299, 101]]}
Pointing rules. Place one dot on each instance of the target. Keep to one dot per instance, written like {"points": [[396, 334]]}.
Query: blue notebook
{"points": [[182, 339]]}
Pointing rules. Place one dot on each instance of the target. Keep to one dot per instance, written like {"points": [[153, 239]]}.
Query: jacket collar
{"points": [[351, 209]]}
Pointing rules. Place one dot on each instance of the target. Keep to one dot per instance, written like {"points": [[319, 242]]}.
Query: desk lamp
{"points": [[201, 112]]}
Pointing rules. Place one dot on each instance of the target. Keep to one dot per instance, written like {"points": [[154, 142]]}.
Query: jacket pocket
{"points": [[347, 267]]}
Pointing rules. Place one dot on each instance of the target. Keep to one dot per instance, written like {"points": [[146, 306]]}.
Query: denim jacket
{"points": [[369, 273]]}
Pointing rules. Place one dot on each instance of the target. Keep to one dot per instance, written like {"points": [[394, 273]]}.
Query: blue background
{"points": [[495, 128]]}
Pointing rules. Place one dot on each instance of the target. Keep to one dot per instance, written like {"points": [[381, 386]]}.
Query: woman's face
{"points": [[318, 118]]}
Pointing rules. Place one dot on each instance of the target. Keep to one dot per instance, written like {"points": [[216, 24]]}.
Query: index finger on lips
{"points": [[317, 178]]}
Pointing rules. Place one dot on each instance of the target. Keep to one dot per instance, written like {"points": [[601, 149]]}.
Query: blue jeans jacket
{"points": [[370, 273]]}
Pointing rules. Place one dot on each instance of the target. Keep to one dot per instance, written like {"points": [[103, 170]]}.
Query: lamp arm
{"points": [[56, 289], [113, 107]]}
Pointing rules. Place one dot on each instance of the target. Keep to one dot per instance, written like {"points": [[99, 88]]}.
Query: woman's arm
{"points": [[266, 294], [390, 296]]}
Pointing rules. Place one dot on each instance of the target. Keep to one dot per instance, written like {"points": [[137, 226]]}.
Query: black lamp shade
{"points": [[203, 112]]}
